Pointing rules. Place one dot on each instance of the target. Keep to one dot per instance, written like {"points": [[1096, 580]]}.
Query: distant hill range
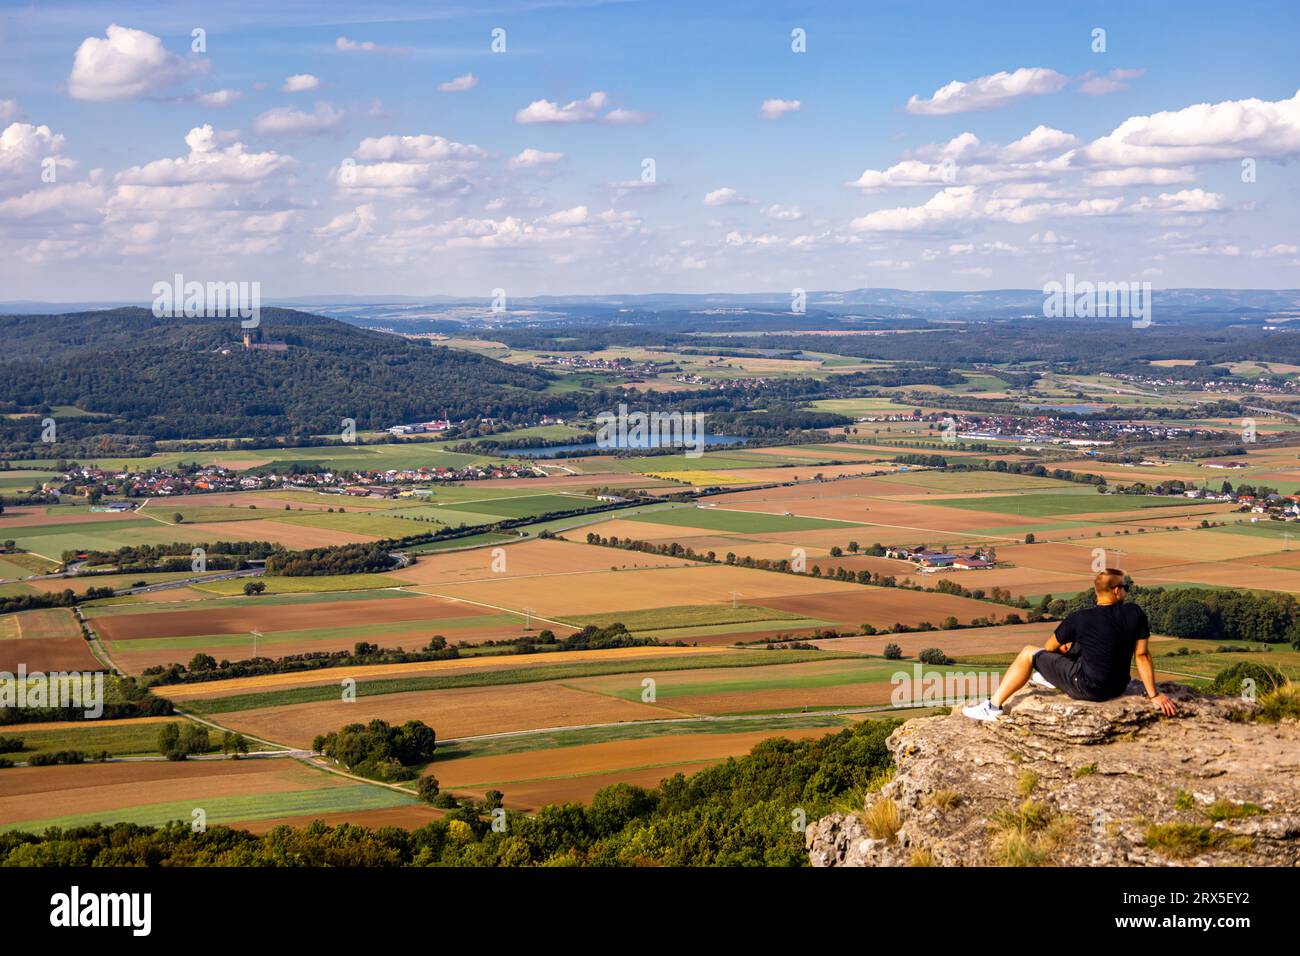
{"points": [[902, 302], [187, 378]]}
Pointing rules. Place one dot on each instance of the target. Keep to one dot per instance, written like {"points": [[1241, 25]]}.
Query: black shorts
{"points": [[1066, 673]]}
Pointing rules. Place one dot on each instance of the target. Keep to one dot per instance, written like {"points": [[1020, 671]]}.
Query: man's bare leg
{"points": [[1017, 675]]}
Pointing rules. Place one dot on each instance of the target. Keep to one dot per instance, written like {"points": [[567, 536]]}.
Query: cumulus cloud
{"points": [[783, 213], [287, 121], [422, 148], [577, 111], [988, 92], [966, 204], [1183, 201], [775, 109], [22, 148], [124, 64], [459, 85], [534, 157], [1204, 133], [408, 164], [1139, 176], [569, 217], [219, 98], [726, 196], [299, 83], [208, 163]]}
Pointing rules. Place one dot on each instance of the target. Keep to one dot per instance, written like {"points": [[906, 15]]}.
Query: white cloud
{"points": [[286, 121], [124, 64], [569, 217], [1039, 140], [578, 111], [1183, 201], [459, 85], [219, 98], [53, 204], [299, 83], [534, 157], [207, 163], [988, 92], [783, 213], [1204, 133], [422, 148], [345, 45], [1116, 81], [726, 196], [22, 148], [621, 117], [748, 239], [775, 109], [1139, 176]]}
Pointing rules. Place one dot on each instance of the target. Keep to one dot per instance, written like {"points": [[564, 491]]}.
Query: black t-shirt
{"points": [[1102, 640]]}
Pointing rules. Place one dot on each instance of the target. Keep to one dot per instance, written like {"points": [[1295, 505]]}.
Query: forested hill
{"points": [[168, 378]]}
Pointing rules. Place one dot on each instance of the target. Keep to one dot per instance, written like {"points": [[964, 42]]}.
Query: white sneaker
{"points": [[1042, 681], [984, 710]]}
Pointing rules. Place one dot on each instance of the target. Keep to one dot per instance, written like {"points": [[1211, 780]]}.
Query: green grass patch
{"points": [[261, 806], [715, 519], [523, 675]]}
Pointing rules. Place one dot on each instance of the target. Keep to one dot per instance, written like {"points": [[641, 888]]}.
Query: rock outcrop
{"points": [[1059, 781]]}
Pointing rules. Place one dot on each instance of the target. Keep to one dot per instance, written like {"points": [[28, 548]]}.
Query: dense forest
{"points": [[175, 378]]}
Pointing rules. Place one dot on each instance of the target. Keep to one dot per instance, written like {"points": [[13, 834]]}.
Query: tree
{"points": [[427, 788], [1188, 619], [932, 655], [254, 587], [202, 662], [853, 547], [893, 652], [194, 739], [493, 799], [234, 744], [177, 518], [169, 741], [1029, 538]]}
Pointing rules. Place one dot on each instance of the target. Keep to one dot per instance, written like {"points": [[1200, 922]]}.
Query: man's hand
{"points": [[1165, 704]]}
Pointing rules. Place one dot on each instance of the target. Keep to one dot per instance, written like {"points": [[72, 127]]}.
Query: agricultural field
{"points": [[555, 725]]}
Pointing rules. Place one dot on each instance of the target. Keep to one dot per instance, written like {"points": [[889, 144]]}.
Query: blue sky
{"points": [[918, 145]]}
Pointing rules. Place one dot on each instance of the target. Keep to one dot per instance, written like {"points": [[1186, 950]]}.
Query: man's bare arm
{"points": [[1147, 672]]}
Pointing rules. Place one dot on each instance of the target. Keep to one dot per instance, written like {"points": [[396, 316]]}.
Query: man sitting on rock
{"points": [[1088, 655]]}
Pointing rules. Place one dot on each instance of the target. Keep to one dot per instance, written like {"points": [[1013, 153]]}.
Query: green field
{"points": [[716, 519], [305, 584], [528, 675], [559, 739], [363, 632], [262, 806], [91, 737], [973, 481], [1064, 503]]}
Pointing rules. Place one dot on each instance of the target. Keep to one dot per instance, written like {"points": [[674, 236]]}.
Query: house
{"points": [[971, 562], [938, 560]]}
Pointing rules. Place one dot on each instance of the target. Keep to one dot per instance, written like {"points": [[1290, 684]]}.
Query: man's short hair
{"points": [[1105, 580]]}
